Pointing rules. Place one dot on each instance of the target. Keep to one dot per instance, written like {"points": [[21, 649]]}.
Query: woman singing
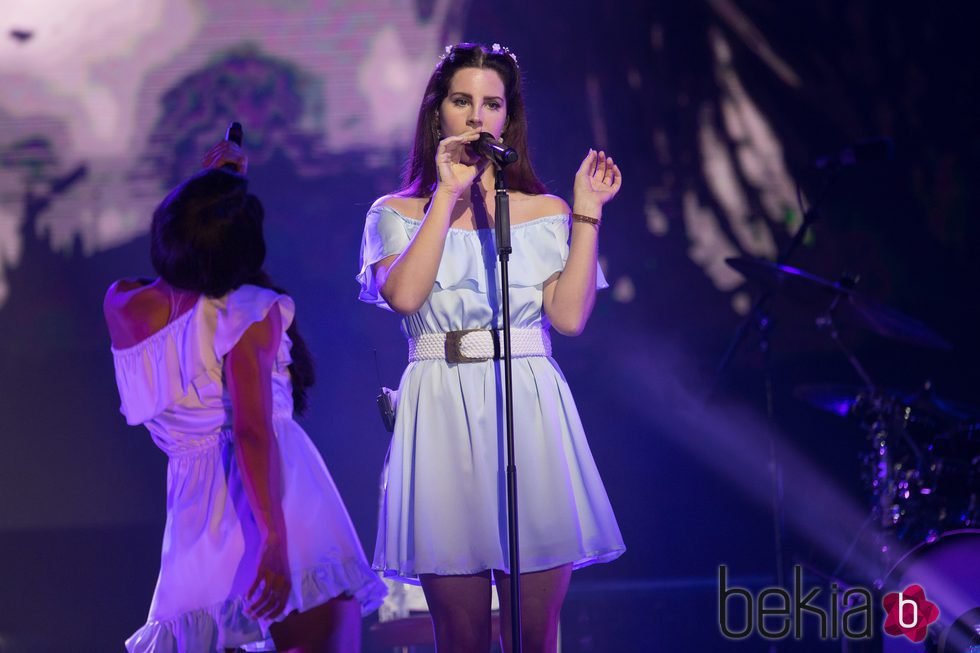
{"points": [[428, 254]]}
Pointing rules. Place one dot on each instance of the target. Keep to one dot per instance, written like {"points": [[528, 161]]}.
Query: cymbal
{"points": [[892, 324], [847, 400], [851, 307], [783, 277]]}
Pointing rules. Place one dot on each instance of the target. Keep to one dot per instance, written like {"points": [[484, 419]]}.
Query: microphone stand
{"points": [[502, 233]]}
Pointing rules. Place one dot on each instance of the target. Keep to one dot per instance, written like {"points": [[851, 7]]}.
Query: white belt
{"points": [[475, 345]]}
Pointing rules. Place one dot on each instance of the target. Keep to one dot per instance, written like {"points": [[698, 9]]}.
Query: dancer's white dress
{"points": [[172, 382], [444, 508]]}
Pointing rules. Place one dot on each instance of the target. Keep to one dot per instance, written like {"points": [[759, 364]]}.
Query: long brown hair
{"points": [[419, 178]]}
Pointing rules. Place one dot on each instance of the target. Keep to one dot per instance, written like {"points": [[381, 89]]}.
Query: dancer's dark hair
{"points": [[207, 237]]}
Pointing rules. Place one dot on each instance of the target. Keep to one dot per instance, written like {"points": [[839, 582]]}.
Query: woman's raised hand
{"points": [[223, 153], [597, 181], [454, 175]]}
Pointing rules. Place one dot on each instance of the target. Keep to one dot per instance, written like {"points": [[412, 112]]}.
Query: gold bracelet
{"points": [[578, 217]]}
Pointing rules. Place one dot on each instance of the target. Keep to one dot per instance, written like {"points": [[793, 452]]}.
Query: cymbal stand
{"points": [[758, 314], [883, 422], [826, 323]]}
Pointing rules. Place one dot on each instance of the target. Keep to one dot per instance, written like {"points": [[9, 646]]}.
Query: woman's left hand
{"points": [[224, 153], [597, 181]]}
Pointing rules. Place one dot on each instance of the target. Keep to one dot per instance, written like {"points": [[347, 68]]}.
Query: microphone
{"points": [[235, 134], [879, 149], [498, 153]]}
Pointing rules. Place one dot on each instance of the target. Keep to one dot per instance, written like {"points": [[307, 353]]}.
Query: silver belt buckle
{"points": [[454, 343]]}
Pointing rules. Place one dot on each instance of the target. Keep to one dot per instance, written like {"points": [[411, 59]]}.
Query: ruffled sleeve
{"points": [[540, 249], [187, 354], [158, 371], [386, 233], [243, 307]]}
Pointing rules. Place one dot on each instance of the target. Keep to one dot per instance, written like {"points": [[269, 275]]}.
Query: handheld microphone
{"points": [[498, 153], [235, 134]]}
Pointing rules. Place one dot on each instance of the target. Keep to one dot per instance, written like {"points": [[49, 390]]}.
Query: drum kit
{"points": [[921, 463]]}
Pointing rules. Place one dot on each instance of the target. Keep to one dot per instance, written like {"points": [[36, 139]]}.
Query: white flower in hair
{"points": [[449, 51], [496, 48]]}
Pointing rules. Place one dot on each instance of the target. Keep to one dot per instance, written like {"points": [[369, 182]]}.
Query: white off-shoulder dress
{"points": [[172, 383], [444, 508]]}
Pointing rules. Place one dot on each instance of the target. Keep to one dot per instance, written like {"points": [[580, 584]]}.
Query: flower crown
{"points": [[496, 48]]}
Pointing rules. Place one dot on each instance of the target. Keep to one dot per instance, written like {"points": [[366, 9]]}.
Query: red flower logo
{"points": [[909, 613]]}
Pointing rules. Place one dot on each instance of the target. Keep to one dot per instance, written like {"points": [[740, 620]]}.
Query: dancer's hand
{"points": [[267, 596], [225, 152], [454, 175], [597, 181]]}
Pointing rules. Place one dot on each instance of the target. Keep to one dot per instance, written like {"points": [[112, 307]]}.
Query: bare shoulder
{"points": [[540, 206], [410, 207], [134, 308], [125, 293]]}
